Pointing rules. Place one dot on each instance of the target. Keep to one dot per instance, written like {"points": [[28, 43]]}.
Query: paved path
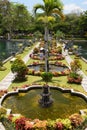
{"points": [[69, 60]]}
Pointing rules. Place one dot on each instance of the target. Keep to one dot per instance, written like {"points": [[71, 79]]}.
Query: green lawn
{"points": [[56, 81], [5, 72]]}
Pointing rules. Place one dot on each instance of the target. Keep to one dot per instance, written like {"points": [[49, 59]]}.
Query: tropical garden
{"points": [[14, 15], [47, 27]]}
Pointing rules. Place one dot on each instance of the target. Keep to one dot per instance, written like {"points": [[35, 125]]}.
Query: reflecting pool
{"points": [[7, 48], [52, 67], [83, 48]]}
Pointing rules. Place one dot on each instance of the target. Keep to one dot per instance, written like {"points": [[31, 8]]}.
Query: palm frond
{"points": [[59, 13], [46, 19], [38, 6], [50, 8], [51, 19]]}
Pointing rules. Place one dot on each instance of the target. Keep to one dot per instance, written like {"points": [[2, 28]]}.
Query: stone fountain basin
{"points": [[25, 101]]}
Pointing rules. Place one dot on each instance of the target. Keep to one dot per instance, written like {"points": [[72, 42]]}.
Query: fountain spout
{"points": [[46, 99]]}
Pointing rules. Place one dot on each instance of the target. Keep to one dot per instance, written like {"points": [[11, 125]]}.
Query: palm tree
{"points": [[50, 8]]}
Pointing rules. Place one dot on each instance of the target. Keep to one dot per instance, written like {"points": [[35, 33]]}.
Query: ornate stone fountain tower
{"points": [[46, 99]]}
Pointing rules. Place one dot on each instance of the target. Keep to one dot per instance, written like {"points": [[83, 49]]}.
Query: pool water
{"points": [[83, 50], [8, 48], [27, 104], [52, 67]]}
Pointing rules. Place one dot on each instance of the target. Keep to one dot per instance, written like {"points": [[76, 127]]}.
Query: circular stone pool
{"points": [[26, 103]]}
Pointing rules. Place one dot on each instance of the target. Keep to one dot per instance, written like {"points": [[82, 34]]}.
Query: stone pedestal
{"points": [[46, 99]]}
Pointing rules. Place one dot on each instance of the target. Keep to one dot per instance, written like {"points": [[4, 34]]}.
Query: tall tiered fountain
{"points": [[46, 99]]}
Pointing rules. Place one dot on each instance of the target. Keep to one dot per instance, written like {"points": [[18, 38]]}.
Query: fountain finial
{"points": [[46, 100]]}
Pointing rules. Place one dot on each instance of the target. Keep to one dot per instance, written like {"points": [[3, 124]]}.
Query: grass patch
{"points": [[5, 72], [84, 66], [30, 80], [25, 52], [56, 81], [62, 81]]}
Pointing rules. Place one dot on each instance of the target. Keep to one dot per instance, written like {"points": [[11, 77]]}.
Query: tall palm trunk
{"points": [[46, 49]]}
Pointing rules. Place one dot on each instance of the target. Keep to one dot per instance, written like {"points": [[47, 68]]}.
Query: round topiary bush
{"points": [[20, 68], [47, 76]]}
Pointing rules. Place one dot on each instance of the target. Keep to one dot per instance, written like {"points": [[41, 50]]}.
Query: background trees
{"points": [[13, 18], [16, 19], [83, 24], [22, 18]]}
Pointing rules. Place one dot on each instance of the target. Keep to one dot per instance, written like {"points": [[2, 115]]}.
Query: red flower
{"points": [[59, 126]]}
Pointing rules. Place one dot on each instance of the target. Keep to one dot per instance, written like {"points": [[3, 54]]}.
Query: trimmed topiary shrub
{"points": [[75, 65], [74, 78], [19, 67], [46, 76]]}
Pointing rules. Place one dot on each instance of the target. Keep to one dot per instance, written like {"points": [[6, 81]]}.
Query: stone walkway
{"points": [[69, 60]]}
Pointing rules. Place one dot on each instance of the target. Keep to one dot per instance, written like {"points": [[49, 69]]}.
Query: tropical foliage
{"points": [[75, 65], [13, 15], [74, 77], [47, 76], [74, 122], [19, 68]]}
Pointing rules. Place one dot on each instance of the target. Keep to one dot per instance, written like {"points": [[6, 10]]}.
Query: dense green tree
{"points": [[69, 26], [37, 35], [22, 17], [83, 24], [4, 13], [13, 17], [7, 14], [59, 34]]}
